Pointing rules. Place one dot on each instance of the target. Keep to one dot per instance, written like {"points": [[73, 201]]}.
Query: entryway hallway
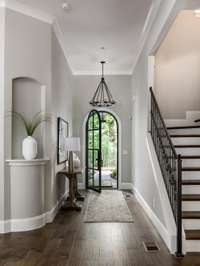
{"points": [[70, 242]]}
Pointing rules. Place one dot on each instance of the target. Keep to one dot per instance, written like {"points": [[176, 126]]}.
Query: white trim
{"points": [[2, 3], [126, 186], [61, 39], [170, 240], [96, 73], [29, 11], [119, 144], [28, 224], [27, 162], [81, 185], [153, 11]]}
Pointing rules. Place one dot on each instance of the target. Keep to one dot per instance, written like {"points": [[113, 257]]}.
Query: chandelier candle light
{"points": [[102, 96]]}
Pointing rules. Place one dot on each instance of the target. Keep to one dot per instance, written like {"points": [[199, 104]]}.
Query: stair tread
{"points": [[183, 127], [190, 182], [191, 197], [191, 214], [187, 146], [192, 234], [190, 157], [185, 135], [191, 168]]}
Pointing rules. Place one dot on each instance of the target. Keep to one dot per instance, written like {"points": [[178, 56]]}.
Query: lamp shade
{"points": [[72, 144]]}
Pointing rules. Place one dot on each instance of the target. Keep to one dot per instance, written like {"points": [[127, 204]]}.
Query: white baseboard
{"points": [[125, 186], [81, 186], [169, 240], [28, 224]]}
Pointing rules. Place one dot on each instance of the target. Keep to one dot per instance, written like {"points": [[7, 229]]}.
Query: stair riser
{"points": [[191, 224], [191, 205], [184, 131], [191, 162], [191, 189], [191, 175], [191, 245], [188, 151], [186, 141]]}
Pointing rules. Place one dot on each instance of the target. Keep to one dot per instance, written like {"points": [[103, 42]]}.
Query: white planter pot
{"points": [[29, 148]]}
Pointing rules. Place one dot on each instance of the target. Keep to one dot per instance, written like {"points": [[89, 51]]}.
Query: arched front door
{"points": [[93, 151]]}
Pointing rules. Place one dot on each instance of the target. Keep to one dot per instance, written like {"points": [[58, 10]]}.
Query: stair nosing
{"points": [[193, 182], [190, 215], [186, 197], [185, 135], [193, 232], [190, 168]]}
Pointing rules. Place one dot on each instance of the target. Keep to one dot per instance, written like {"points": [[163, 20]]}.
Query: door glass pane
{"points": [[90, 178], [90, 140], [96, 139], [96, 157], [90, 159], [96, 121], [90, 123], [96, 179]]}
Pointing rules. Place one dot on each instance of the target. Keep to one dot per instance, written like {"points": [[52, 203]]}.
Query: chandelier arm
{"points": [[99, 93], [108, 93]]}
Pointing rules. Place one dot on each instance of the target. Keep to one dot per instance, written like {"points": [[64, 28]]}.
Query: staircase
{"points": [[177, 146], [186, 140]]}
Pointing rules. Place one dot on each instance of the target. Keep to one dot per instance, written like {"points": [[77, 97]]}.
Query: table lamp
{"points": [[72, 144]]}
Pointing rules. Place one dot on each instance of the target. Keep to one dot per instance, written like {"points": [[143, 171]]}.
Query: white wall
{"points": [[144, 179], [2, 150], [120, 86], [177, 64], [32, 50], [62, 82]]}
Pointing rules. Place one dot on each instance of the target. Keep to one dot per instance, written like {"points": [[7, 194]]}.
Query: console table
{"points": [[71, 204]]}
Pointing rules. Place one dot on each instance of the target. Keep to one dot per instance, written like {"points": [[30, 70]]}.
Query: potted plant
{"points": [[29, 144]]}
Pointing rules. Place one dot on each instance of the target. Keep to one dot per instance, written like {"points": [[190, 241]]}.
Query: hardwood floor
{"points": [[70, 242]]}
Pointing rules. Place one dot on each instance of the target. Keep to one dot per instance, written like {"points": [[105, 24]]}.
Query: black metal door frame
{"points": [[98, 150], [105, 111]]}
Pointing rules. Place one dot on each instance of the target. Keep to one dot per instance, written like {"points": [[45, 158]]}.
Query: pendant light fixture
{"points": [[102, 96]]}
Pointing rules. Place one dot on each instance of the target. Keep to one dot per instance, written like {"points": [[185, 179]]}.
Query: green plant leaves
{"points": [[31, 125]]}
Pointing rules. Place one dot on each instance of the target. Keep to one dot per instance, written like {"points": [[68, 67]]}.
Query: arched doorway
{"points": [[102, 151]]}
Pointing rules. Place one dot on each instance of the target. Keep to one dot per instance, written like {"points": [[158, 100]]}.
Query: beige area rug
{"points": [[107, 206]]}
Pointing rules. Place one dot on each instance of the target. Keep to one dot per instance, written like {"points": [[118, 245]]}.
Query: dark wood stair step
{"points": [[190, 157], [185, 136], [192, 234], [184, 127], [190, 182], [191, 168], [187, 146], [191, 197], [191, 215]]}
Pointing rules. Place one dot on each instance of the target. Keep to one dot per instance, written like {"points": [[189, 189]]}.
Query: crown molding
{"points": [[60, 37], [153, 11], [95, 73], [2, 3], [27, 10]]}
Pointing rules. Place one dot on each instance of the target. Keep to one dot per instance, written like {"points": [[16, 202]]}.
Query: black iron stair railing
{"points": [[170, 165]]}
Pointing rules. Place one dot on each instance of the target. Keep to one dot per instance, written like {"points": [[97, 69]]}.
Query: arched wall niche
{"points": [[28, 98]]}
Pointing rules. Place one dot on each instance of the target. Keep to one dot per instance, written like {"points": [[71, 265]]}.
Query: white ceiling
{"points": [[117, 25]]}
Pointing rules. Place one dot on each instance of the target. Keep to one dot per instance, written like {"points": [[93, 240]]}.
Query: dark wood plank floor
{"points": [[70, 242]]}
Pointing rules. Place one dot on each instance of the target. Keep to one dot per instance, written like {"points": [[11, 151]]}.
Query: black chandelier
{"points": [[102, 96]]}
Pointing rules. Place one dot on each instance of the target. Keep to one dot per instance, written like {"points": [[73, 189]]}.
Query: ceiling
{"points": [[117, 25]]}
